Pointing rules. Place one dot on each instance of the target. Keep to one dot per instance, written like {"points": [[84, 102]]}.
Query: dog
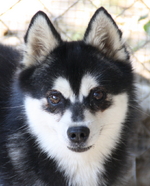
{"points": [[67, 108]]}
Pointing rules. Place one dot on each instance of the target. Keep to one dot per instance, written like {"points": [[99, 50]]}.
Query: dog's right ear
{"points": [[41, 39]]}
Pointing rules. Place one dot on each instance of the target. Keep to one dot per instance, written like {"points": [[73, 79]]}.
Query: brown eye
{"points": [[54, 97], [98, 94]]}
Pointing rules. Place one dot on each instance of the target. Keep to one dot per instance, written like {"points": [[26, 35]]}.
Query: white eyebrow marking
{"points": [[88, 82], [62, 85]]}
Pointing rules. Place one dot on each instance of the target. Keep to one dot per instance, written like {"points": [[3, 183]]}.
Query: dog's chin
{"points": [[79, 149]]}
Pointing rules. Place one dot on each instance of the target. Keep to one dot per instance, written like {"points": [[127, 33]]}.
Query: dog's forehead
{"points": [[63, 85]]}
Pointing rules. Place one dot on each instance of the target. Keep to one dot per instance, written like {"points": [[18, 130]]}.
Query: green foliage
{"points": [[143, 17], [147, 27], [77, 36]]}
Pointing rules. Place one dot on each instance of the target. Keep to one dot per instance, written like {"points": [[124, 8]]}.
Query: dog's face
{"points": [[76, 93]]}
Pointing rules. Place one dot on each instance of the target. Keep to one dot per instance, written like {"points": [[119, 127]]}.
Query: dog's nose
{"points": [[78, 134]]}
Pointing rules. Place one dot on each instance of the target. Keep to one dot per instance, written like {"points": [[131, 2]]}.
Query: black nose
{"points": [[78, 134]]}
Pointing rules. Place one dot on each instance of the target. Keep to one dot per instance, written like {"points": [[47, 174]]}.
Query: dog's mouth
{"points": [[79, 149]]}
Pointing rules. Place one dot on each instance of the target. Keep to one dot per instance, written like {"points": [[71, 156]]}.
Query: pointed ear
{"points": [[41, 38], [103, 33]]}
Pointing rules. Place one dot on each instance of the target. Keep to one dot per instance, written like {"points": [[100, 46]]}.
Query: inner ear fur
{"points": [[103, 33], [41, 38]]}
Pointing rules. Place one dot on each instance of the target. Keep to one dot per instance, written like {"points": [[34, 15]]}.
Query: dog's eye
{"points": [[97, 98], [98, 94], [54, 97]]}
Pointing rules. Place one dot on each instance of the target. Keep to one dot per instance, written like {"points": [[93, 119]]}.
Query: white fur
{"points": [[104, 35], [88, 82], [63, 86], [40, 42], [51, 132]]}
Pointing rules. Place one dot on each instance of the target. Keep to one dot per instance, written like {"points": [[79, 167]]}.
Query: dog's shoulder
{"points": [[9, 60]]}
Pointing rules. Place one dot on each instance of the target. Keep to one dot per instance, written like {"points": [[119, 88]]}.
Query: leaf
{"points": [[143, 17], [147, 27]]}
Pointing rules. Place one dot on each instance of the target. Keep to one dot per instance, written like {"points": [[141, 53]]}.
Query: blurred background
{"points": [[70, 18]]}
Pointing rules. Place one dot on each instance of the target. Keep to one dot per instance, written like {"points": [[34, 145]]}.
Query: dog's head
{"points": [[76, 94]]}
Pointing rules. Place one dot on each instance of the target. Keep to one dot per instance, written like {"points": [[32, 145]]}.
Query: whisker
{"points": [[139, 109], [19, 106]]}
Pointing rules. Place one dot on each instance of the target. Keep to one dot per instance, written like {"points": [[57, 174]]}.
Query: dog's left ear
{"points": [[41, 39], [103, 33]]}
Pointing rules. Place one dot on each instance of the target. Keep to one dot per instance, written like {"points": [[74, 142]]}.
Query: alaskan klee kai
{"points": [[66, 108]]}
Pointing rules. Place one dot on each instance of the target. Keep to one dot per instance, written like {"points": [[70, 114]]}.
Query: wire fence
{"points": [[71, 17]]}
